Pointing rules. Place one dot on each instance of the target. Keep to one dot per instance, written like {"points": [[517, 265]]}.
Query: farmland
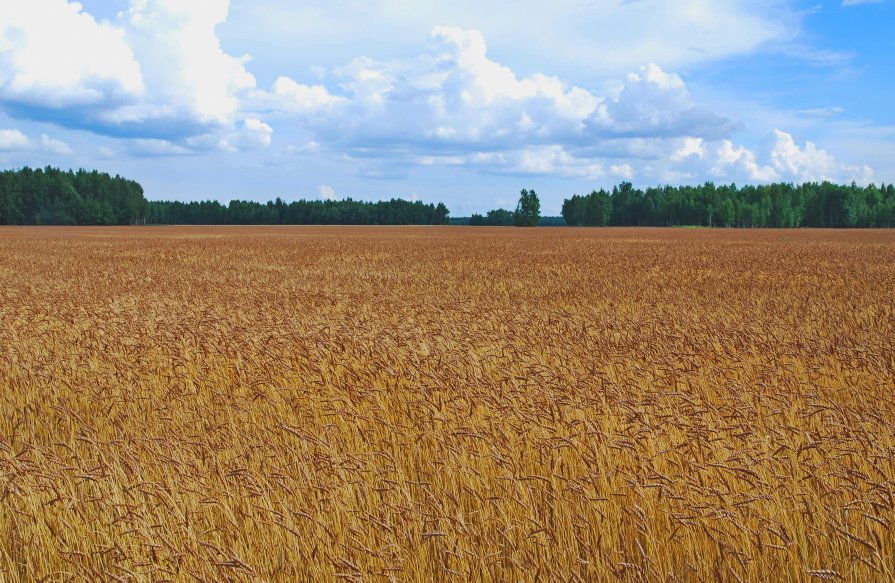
{"points": [[435, 403]]}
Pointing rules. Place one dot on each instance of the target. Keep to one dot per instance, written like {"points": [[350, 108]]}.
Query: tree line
{"points": [[527, 214], [301, 212], [50, 196], [772, 205]]}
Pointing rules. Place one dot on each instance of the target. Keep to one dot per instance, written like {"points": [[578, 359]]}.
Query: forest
{"points": [[772, 205], [51, 196], [302, 212]]}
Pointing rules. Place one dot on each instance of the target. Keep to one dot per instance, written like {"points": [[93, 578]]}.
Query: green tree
{"points": [[573, 210], [598, 209], [499, 218], [442, 214], [528, 210], [727, 213]]}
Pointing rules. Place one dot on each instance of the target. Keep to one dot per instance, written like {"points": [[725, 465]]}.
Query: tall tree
{"points": [[770, 205], [528, 210]]}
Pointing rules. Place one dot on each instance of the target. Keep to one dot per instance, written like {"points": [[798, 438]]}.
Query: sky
{"points": [[463, 102]]}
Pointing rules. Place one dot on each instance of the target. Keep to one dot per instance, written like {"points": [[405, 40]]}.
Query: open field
{"points": [[427, 404]]}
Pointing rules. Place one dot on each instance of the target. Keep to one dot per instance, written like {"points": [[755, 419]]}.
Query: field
{"points": [[446, 404]]}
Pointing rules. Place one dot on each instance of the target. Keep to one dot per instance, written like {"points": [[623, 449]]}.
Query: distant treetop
{"points": [[772, 205], [51, 196]]}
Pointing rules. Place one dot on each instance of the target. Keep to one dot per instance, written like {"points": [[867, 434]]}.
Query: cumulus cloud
{"points": [[326, 192], [455, 106], [625, 171], [254, 133], [158, 76], [52, 146], [729, 161], [157, 72], [809, 163], [55, 55], [780, 158], [187, 72], [656, 103], [451, 97], [540, 160], [246, 135], [13, 140], [287, 95]]}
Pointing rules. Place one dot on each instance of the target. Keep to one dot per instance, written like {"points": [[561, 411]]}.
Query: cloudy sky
{"points": [[464, 101]]}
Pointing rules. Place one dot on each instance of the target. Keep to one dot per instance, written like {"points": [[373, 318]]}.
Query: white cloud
{"points": [[186, 70], [462, 54], [290, 96], [452, 96], [455, 106], [690, 147], [779, 158], [656, 103], [154, 147], [13, 140], [589, 36], [157, 72], [158, 76], [326, 192], [257, 132], [553, 160], [54, 146], [731, 162], [477, 98], [809, 163], [53, 54], [247, 135], [625, 171]]}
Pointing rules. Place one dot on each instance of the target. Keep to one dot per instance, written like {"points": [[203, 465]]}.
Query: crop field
{"points": [[446, 404]]}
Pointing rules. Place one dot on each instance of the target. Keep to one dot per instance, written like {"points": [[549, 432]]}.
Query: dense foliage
{"points": [[772, 205], [528, 211], [494, 218], [502, 218], [302, 212], [528, 214], [52, 197]]}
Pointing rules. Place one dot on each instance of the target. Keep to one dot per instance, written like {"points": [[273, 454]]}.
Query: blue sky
{"points": [[461, 102]]}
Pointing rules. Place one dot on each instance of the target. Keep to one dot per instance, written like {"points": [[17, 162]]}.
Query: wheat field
{"points": [[446, 404]]}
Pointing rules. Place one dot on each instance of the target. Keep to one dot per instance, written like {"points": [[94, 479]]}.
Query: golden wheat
{"points": [[429, 404]]}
